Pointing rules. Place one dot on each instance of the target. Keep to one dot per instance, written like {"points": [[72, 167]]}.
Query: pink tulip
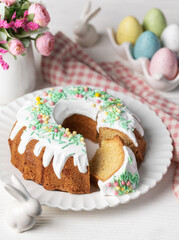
{"points": [[16, 47], [41, 16], [45, 43], [8, 2]]}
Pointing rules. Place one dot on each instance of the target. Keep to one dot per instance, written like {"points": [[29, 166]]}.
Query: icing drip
{"points": [[42, 117], [125, 179]]}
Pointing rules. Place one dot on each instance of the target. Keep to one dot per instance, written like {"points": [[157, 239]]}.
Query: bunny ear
{"points": [[17, 184], [17, 194], [92, 15], [86, 10]]}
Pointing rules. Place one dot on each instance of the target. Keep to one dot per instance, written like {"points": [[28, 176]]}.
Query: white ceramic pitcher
{"points": [[19, 79]]}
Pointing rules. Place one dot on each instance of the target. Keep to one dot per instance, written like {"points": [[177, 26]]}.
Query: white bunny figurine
{"points": [[85, 33], [23, 211]]}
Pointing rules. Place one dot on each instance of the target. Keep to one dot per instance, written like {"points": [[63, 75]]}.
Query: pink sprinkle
{"points": [[45, 100], [128, 183], [77, 95], [33, 127], [110, 99], [86, 89], [98, 101], [52, 103], [39, 116], [65, 135], [45, 93], [60, 90], [80, 96], [108, 184], [51, 126], [116, 184], [41, 121], [56, 130], [104, 89], [115, 192], [123, 183]]}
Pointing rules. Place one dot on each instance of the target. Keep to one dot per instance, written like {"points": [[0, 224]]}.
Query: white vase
{"points": [[19, 79]]}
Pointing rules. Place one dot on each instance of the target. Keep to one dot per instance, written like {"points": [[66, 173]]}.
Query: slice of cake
{"points": [[113, 168]]}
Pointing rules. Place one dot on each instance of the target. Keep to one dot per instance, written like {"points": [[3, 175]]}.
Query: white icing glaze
{"points": [[127, 166], [64, 108], [68, 107]]}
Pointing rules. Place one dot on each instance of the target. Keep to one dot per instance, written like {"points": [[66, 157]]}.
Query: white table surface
{"points": [[154, 215]]}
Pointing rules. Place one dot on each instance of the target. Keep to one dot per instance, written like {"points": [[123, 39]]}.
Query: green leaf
{"points": [[8, 33], [2, 10], [25, 6], [30, 33], [3, 36], [25, 42], [30, 17]]}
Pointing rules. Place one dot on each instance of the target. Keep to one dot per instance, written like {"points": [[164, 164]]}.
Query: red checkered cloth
{"points": [[68, 64]]}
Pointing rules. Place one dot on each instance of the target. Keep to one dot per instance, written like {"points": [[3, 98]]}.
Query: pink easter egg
{"points": [[164, 62]]}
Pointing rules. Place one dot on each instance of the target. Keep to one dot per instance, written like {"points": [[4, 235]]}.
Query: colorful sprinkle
{"points": [[94, 105], [115, 192], [60, 90], [52, 103], [108, 184], [123, 182], [128, 183], [116, 184], [38, 99], [97, 94], [86, 89], [55, 130], [98, 101], [33, 127], [45, 93]]}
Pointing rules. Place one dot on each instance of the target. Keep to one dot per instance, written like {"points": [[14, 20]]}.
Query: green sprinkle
{"points": [[130, 159]]}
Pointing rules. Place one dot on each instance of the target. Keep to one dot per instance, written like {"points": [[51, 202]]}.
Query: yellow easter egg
{"points": [[129, 30]]}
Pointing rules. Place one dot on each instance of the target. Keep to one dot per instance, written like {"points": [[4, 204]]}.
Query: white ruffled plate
{"points": [[157, 160]]}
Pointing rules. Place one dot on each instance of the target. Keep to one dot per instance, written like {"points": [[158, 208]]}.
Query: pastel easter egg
{"points": [[154, 21], [129, 30], [146, 45], [164, 62], [170, 37]]}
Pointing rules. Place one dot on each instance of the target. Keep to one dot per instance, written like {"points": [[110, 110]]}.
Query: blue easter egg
{"points": [[146, 45]]}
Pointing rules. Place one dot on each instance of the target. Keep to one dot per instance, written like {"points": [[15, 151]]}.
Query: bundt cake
{"points": [[47, 141]]}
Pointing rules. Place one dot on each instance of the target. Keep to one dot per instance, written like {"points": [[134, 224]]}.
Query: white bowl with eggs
{"points": [[141, 65]]}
